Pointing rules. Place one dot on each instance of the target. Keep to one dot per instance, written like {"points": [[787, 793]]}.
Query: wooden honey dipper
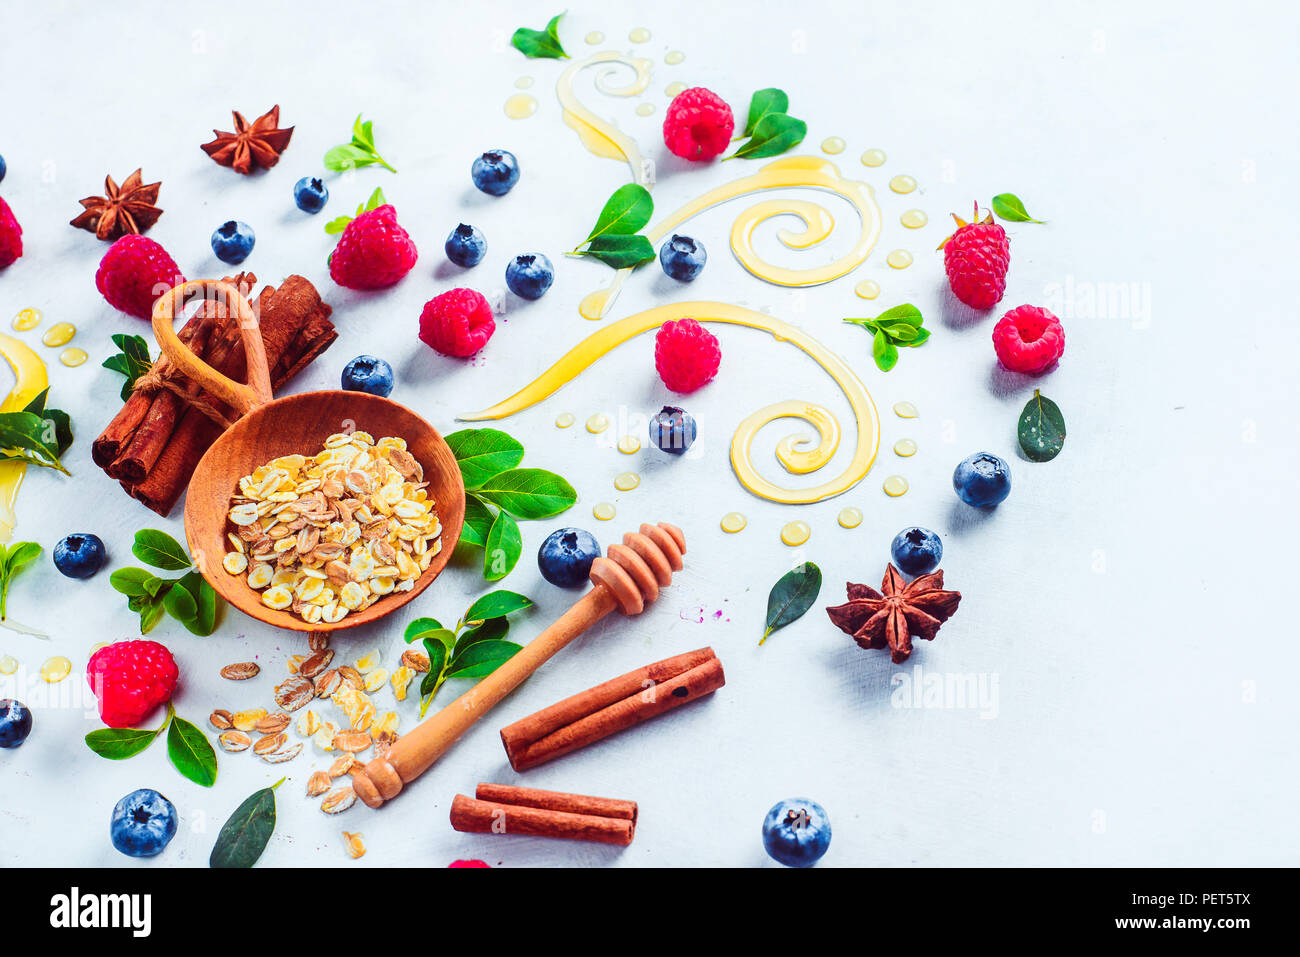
{"points": [[628, 578]]}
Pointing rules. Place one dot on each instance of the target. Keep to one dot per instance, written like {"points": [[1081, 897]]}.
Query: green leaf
{"points": [[773, 134], [130, 581], [17, 557], [481, 659], [363, 134], [204, 620], [28, 437], [620, 252], [1041, 429], [907, 313], [504, 545], [544, 44], [478, 521], [493, 629], [529, 493], [791, 596], [244, 836], [153, 585], [884, 352], [376, 198], [419, 628], [921, 336], [626, 212], [900, 333], [436, 638], [159, 550], [484, 453], [117, 744], [180, 604], [497, 604], [762, 103], [1009, 207], [346, 157], [151, 612], [335, 226], [190, 750], [132, 361]]}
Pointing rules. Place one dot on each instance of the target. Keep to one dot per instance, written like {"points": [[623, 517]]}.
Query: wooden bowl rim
{"points": [[228, 586]]}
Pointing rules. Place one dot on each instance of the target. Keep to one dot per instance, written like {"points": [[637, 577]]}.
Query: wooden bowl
{"points": [[295, 424]]}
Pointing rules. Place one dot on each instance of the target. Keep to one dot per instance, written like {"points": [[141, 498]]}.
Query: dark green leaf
{"points": [[763, 103], [117, 744], [478, 522], [62, 424], [204, 621], [529, 493], [153, 585], [907, 313], [418, 628], [133, 361], [493, 629], [620, 252], [159, 550], [481, 659], [130, 581], [899, 333], [626, 212], [151, 612], [773, 135], [884, 352], [496, 604], [180, 604], [1009, 207], [245, 835], [28, 437], [540, 43], [483, 453], [791, 596], [1041, 429], [504, 546], [443, 638], [438, 654], [190, 750], [921, 336]]}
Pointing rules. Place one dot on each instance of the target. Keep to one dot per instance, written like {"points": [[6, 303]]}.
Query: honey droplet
{"points": [[895, 486], [905, 410], [27, 319], [604, 511], [873, 158], [733, 522], [639, 35], [672, 89], [850, 517], [521, 106], [73, 357], [914, 219], [626, 481], [629, 445], [8, 664], [674, 57], [595, 38], [905, 447], [524, 83], [902, 183], [56, 669], [796, 533], [867, 289], [597, 423], [899, 259], [564, 420], [833, 145], [59, 334], [645, 109]]}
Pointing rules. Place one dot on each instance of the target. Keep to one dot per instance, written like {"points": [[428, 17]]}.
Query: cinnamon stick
{"points": [[614, 706], [504, 809]]}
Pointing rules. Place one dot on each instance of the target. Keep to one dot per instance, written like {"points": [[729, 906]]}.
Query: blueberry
{"points": [[565, 557], [310, 194], [673, 430], [982, 480], [530, 275], [15, 722], [80, 555], [916, 550], [797, 832], [3, 169], [682, 258], [495, 172], [232, 242], [143, 823], [466, 246], [368, 374]]}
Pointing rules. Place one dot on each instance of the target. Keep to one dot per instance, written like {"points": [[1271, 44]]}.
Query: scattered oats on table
{"points": [[329, 535]]}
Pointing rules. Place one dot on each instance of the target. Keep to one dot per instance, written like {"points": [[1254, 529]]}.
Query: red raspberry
{"points": [[373, 252], [130, 679], [134, 272], [976, 257], [11, 236], [686, 355], [1028, 339], [698, 124], [457, 323]]}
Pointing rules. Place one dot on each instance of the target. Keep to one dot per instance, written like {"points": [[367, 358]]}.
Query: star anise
{"points": [[257, 144], [128, 208], [901, 613]]}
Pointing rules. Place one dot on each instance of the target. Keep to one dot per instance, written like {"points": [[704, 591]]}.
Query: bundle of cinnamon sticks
{"points": [[155, 441]]}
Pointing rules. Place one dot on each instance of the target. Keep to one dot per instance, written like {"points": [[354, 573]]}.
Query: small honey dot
{"points": [[521, 106], [59, 334], [850, 517], [564, 420], [733, 522], [645, 109], [672, 89], [73, 357], [796, 533], [902, 183], [27, 319], [626, 481], [905, 410], [914, 219], [523, 83], [899, 259], [905, 448], [56, 669], [674, 57], [867, 289], [873, 158], [833, 145], [639, 35], [895, 486], [597, 423], [8, 664], [604, 511], [629, 444], [595, 38]]}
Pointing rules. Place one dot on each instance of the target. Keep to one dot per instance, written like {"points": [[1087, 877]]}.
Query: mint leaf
{"points": [[204, 620], [621, 252], [504, 545], [491, 630], [419, 628], [1041, 429], [1009, 207], [484, 453], [763, 103], [897, 326], [905, 313], [180, 604], [130, 581], [540, 44], [132, 361], [191, 752], [28, 437], [482, 658], [478, 522], [529, 493], [117, 744], [159, 550], [14, 559], [626, 212], [360, 152], [773, 134], [497, 604], [884, 352]]}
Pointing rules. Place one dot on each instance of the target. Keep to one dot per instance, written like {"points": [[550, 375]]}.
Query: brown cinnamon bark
{"points": [[525, 811], [614, 706]]}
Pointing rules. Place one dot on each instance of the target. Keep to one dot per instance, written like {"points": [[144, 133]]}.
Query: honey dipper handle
{"points": [[414, 752]]}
